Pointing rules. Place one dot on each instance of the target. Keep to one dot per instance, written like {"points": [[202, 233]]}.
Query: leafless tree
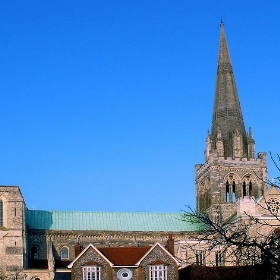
{"points": [[244, 240], [15, 274], [241, 241]]}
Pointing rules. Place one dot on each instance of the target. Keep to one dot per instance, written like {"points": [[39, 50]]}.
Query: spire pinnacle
{"points": [[227, 113]]}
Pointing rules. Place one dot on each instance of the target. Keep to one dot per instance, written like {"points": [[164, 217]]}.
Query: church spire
{"points": [[227, 118]]}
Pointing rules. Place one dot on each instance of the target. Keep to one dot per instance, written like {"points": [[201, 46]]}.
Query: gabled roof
{"points": [[152, 248], [108, 221], [270, 193], [124, 256], [83, 252]]}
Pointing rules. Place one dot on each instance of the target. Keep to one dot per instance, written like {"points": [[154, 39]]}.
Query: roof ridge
{"points": [[88, 211]]}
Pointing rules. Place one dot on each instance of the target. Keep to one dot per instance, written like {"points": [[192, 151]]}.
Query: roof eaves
{"points": [[94, 248], [152, 248], [132, 266]]}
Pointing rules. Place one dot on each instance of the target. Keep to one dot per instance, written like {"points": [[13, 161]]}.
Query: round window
{"points": [[124, 274]]}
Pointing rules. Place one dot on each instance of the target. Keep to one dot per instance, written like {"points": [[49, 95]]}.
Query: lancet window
{"points": [[247, 186], [230, 190]]}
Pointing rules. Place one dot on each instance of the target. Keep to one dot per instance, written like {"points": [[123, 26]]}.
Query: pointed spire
{"points": [[227, 114]]}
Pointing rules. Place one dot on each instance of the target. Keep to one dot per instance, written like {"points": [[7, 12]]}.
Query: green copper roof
{"points": [[109, 221]]}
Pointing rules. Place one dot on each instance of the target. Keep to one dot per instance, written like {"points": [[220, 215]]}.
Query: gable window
{"points": [[64, 253], [1, 213], [91, 273], [158, 272], [200, 258]]}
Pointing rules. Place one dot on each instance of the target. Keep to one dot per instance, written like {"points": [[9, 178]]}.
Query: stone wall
{"points": [[12, 233]]}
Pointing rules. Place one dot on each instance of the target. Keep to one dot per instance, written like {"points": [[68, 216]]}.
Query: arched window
{"points": [[1, 213], [233, 192], [230, 189], [64, 253], [250, 188], [247, 187], [227, 192], [33, 253], [244, 188]]}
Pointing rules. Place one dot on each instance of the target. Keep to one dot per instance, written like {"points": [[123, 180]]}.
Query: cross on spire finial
{"points": [[221, 23]]}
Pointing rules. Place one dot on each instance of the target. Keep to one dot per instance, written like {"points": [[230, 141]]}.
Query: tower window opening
{"points": [[244, 189], [227, 192], [230, 191], [233, 192], [250, 188]]}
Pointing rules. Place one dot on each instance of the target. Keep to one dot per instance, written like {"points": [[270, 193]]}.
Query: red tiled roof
{"points": [[124, 255]]}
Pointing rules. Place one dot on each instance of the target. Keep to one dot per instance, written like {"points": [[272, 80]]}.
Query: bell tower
{"points": [[231, 169]]}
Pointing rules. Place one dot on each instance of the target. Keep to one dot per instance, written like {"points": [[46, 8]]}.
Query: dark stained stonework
{"points": [[227, 114]]}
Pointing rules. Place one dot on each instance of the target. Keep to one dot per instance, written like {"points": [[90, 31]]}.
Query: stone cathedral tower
{"points": [[231, 169]]}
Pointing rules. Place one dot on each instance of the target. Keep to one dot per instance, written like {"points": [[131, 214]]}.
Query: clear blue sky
{"points": [[105, 105]]}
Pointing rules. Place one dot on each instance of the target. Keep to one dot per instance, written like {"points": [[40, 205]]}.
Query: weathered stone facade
{"points": [[12, 232], [231, 170], [91, 256], [156, 255], [221, 182], [136, 268]]}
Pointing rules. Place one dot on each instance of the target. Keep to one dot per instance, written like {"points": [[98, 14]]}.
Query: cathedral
{"points": [[46, 245]]}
